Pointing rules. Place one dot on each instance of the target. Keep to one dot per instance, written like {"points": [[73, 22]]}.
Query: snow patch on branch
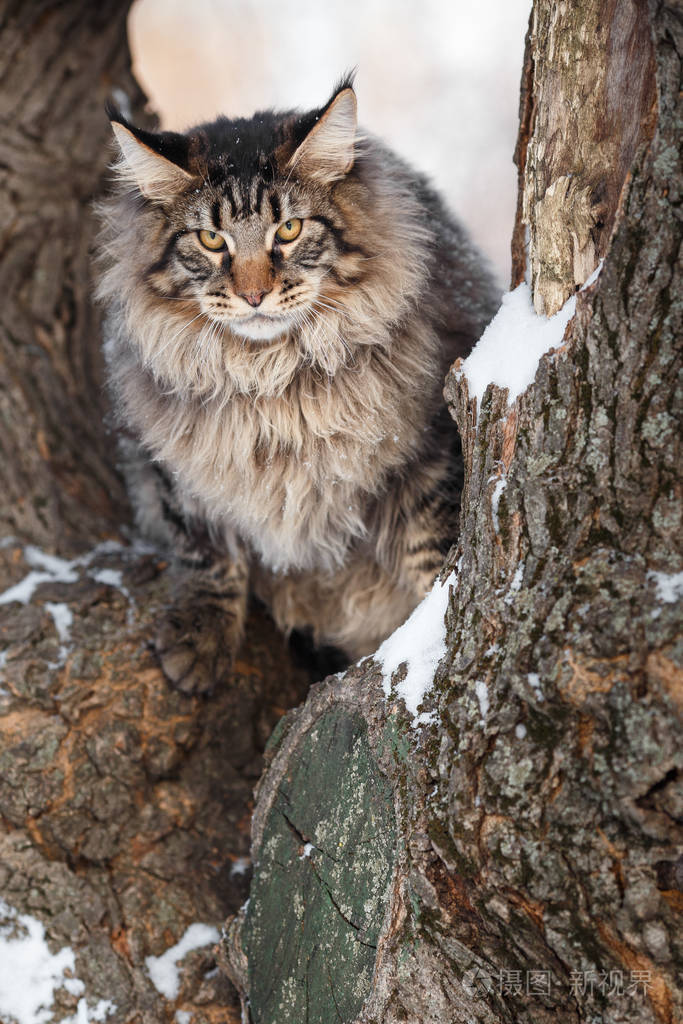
{"points": [[48, 568], [30, 974], [534, 681], [163, 970], [669, 586], [482, 692], [509, 350], [420, 644], [498, 489], [515, 584], [240, 867], [62, 617]]}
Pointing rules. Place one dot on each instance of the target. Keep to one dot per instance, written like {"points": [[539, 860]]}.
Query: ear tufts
{"points": [[113, 112], [327, 152], [151, 162]]}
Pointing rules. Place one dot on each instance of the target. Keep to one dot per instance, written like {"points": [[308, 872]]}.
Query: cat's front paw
{"points": [[195, 648]]}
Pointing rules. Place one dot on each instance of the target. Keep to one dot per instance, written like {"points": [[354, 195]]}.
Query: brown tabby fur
{"points": [[311, 452]]}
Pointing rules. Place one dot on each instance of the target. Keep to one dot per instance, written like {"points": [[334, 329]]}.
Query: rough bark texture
{"points": [[516, 860], [124, 807], [58, 64], [535, 873]]}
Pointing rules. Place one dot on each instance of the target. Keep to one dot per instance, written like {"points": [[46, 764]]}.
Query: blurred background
{"points": [[438, 80]]}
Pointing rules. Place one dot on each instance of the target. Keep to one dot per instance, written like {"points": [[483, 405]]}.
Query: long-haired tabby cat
{"points": [[284, 298]]}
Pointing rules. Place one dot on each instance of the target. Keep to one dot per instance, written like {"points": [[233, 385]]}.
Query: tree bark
{"points": [[58, 64], [124, 807], [516, 859]]}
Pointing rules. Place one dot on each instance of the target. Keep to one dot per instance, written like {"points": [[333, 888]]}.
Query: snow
{"points": [[84, 1015], [481, 690], [75, 986], [495, 498], [48, 568], [240, 866], [63, 619], [421, 643], [30, 974], [110, 577], [508, 351], [534, 681], [308, 850], [163, 969], [593, 277], [516, 583], [520, 731], [669, 586]]}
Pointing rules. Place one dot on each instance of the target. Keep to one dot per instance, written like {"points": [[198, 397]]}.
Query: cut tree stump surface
{"points": [[325, 861]]}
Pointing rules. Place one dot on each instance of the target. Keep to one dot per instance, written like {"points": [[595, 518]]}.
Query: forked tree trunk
{"points": [[403, 874], [516, 860]]}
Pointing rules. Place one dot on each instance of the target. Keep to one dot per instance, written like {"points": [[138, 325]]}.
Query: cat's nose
{"points": [[254, 298]]}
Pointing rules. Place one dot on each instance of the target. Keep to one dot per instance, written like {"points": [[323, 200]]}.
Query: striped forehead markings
{"points": [[275, 206], [260, 188], [229, 195], [245, 200]]}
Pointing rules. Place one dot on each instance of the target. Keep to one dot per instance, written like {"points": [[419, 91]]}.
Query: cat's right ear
{"points": [[144, 164]]}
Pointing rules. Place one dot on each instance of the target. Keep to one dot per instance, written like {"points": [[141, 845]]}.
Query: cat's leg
{"points": [[353, 608], [423, 543], [198, 637], [417, 520]]}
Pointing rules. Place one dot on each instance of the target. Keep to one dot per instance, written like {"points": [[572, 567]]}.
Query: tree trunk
{"points": [[514, 859], [124, 807]]}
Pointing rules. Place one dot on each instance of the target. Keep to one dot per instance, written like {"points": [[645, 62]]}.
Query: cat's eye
{"points": [[289, 230], [211, 240]]}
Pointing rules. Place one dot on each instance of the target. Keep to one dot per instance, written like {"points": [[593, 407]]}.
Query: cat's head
{"points": [[246, 217]]}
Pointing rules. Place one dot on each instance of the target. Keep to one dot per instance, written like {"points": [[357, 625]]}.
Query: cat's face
{"points": [[242, 216], [254, 255]]}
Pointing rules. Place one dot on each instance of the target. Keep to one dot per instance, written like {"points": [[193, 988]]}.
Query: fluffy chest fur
{"points": [[295, 472]]}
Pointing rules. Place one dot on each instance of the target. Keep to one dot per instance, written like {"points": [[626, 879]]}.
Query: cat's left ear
{"points": [[327, 152], [151, 161]]}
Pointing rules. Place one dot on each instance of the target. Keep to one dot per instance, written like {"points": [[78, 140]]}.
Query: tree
{"points": [[532, 825], [124, 807], [515, 859]]}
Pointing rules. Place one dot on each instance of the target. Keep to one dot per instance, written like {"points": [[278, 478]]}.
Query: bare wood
{"points": [[594, 105]]}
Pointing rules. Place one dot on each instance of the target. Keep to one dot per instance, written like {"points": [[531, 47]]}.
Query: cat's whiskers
{"points": [[340, 338], [339, 310], [326, 321], [321, 333], [167, 344], [174, 298]]}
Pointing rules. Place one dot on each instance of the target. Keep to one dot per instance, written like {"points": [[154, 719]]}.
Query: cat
{"points": [[284, 296]]}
